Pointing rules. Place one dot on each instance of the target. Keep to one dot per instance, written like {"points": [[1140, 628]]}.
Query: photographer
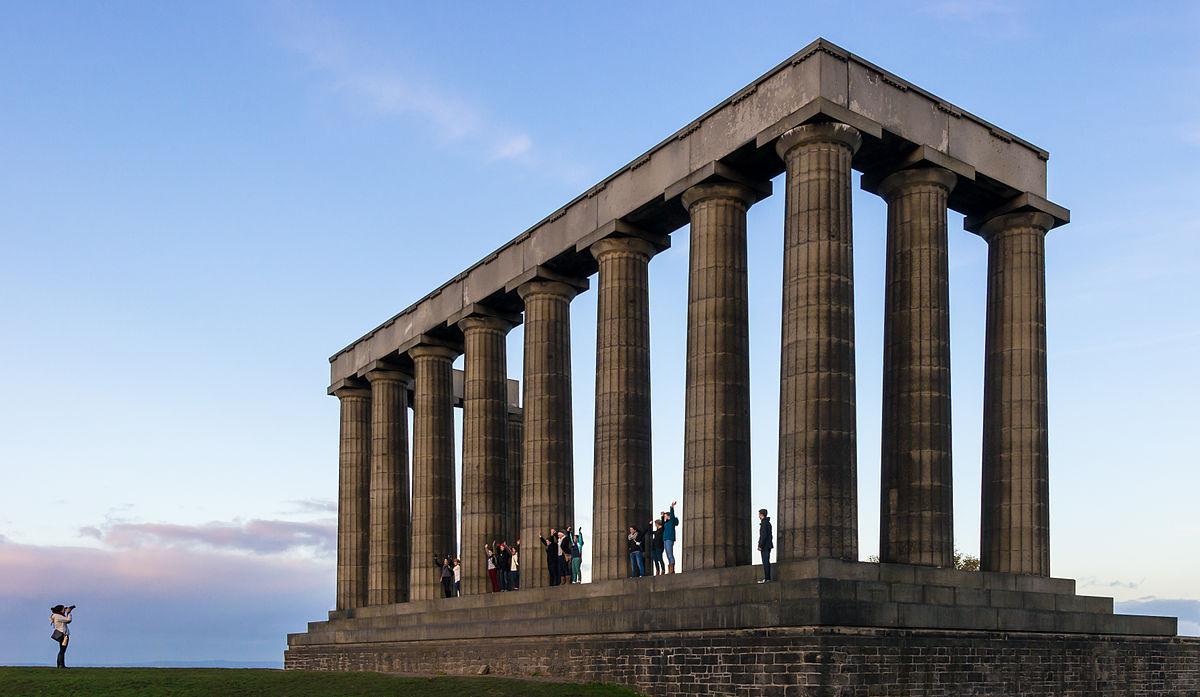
{"points": [[633, 543], [60, 617]]}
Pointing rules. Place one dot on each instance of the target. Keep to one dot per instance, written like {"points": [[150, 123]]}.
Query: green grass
{"points": [[222, 682]]}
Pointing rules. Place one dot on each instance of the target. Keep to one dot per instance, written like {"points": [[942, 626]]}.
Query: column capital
{"points": [[388, 375], [491, 323], [622, 245], [546, 287], [349, 388], [726, 190], [1038, 220], [1022, 203], [825, 132], [895, 183], [433, 351], [352, 393]]}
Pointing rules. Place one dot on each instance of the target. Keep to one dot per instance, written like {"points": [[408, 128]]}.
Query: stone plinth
{"points": [[911, 629]]}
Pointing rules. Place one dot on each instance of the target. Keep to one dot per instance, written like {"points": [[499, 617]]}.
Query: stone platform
{"points": [[825, 627]]}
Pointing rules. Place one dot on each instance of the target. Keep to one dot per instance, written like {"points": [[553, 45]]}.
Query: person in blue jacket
{"points": [[670, 523]]}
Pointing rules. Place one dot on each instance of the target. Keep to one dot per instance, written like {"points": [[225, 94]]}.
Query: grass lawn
{"points": [[219, 682]]}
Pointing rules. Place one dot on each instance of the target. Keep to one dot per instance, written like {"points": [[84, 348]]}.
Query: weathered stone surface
{"points": [[716, 430], [623, 479], [388, 565], [916, 521], [514, 475], [1016, 484], [354, 496], [485, 447], [818, 496], [434, 530], [547, 461]]}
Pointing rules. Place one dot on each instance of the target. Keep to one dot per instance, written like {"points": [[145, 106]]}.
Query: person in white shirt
{"points": [[60, 617]]}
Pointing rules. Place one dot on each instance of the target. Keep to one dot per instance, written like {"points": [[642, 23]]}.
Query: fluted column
{"points": [[716, 432], [433, 520], [1015, 534], [354, 497], [389, 557], [513, 475], [916, 521], [485, 448], [548, 482], [818, 504], [623, 477]]}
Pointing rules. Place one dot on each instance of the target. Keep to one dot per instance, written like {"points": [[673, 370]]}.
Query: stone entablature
{"points": [[901, 124]]}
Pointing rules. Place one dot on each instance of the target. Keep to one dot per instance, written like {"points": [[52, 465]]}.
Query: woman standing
{"points": [[60, 617], [577, 556]]}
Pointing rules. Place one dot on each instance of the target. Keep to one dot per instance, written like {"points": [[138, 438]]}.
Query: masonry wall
{"points": [[818, 662]]}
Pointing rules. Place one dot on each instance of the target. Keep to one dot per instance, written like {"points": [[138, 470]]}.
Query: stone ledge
{"points": [[809, 593]]}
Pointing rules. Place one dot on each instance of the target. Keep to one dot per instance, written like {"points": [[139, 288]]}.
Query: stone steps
{"points": [[813, 593]]}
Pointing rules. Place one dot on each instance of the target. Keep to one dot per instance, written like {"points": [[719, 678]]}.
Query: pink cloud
{"points": [[255, 536]]}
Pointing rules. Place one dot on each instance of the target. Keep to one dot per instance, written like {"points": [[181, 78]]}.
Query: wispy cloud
{"points": [[1096, 582], [255, 536], [314, 506], [388, 89]]}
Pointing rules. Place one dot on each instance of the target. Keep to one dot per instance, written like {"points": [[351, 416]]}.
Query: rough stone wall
{"points": [[807, 662]]}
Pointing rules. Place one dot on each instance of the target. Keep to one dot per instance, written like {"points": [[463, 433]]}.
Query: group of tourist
{"points": [[564, 554], [504, 566], [450, 573], [657, 539]]}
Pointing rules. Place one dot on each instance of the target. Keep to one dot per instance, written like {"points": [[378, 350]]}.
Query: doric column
{"points": [[387, 577], [623, 477], [1016, 498], [354, 496], [547, 481], [513, 475], [818, 506], [916, 521], [433, 520], [716, 431], [485, 448]]}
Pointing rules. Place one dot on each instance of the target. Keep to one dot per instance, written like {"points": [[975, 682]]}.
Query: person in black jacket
{"points": [[446, 571], [564, 558], [503, 559], [654, 545], [633, 543], [765, 543], [551, 546]]}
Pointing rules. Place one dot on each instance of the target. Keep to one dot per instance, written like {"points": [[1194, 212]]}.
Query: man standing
{"points": [[670, 522], [765, 543]]}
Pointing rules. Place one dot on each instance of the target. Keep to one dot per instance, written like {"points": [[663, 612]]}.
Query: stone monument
{"points": [[830, 625]]}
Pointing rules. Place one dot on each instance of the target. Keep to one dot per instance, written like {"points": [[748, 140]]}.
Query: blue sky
{"points": [[199, 204]]}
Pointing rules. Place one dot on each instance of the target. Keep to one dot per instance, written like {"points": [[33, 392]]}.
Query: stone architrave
{"points": [[716, 450], [434, 529], [547, 462], [623, 476], [916, 521], [485, 446], [818, 500], [388, 566], [1015, 530], [354, 496]]}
